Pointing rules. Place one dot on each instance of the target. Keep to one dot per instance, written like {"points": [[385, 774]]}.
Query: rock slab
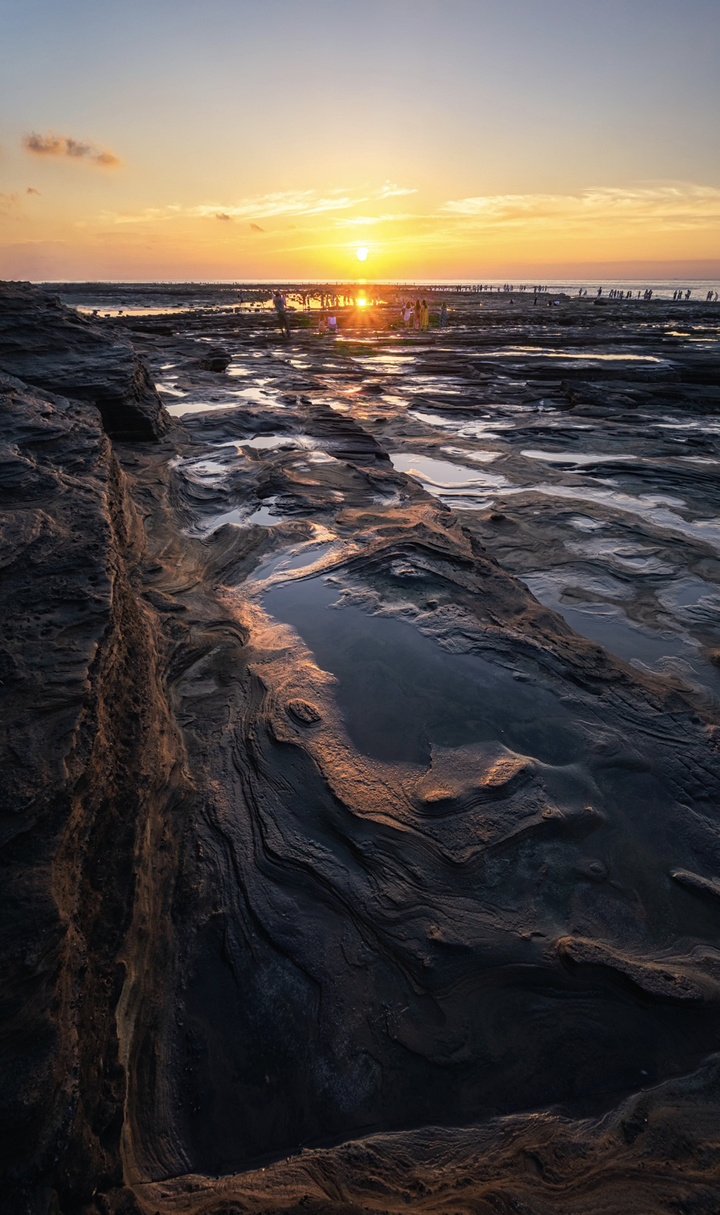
{"points": [[51, 346]]}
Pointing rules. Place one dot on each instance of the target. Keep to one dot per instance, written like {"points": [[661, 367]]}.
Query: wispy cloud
{"points": [[663, 204], [267, 206], [657, 207], [148, 215], [66, 146], [32, 190], [364, 221], [301, 202], [256, 228], [390, 190]]}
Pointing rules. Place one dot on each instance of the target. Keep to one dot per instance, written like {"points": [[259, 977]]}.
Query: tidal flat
{"points": [[367, 857]]}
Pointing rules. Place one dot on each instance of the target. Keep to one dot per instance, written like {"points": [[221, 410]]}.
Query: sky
{"points": [[261, 139]]}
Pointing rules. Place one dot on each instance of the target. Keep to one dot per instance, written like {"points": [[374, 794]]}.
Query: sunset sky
{"points": [[242, 139]]}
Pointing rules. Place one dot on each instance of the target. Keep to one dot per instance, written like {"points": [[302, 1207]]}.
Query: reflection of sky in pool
{"points": [[400, 693]]}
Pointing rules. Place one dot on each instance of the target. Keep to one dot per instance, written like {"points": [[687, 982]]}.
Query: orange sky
{"points": [[247, 139]]}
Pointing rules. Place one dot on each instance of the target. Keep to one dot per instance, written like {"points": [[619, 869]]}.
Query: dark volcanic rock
{"points": [[52, 347]]}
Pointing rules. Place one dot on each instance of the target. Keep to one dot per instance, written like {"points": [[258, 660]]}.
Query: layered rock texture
{"points": [[340, 874], [53, 347]]}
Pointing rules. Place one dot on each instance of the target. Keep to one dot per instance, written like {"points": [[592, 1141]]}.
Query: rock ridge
{"points": [[86, 757], [53, 347]]}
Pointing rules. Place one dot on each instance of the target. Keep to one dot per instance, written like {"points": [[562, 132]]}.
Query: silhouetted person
{"points": [[279, 302]]}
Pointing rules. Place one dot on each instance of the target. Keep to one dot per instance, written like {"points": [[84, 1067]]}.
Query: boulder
{"points": [[214, 358], [52, 347]]}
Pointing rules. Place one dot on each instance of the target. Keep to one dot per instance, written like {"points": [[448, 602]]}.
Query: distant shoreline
{"points": [[551, 284], [168, 295]]}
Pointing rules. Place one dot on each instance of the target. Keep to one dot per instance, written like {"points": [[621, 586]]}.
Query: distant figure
{"points": [[279, 302], [407, 315], [444, 314], [424, 315], [418, 315], [332, 324]]}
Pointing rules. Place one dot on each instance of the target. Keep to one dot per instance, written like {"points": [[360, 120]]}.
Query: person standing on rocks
{"points": [[424, 315], [280, 308]]}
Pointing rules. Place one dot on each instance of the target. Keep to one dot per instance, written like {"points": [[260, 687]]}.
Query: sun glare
{"points": [[361, 253]]}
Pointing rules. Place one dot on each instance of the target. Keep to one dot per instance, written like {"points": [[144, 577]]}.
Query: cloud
{"points": [[32, 190], [283, 202], [363, 221], [147, 215], [673, 205], [256, 228], [66, 146], [222, 215], [266, 206], [390, 190], [7, 202]]}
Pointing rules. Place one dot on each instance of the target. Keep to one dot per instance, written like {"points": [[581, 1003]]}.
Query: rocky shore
{"points": [[360, 717]]}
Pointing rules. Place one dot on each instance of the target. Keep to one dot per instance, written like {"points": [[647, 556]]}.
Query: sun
{"points": [[361, 253]]}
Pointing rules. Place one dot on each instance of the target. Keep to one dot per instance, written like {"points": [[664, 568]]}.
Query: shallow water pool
{"points": [[400, 692]]}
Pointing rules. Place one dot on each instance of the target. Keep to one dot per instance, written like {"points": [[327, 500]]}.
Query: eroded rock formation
{"points": [[340, 874], [53, 347]]}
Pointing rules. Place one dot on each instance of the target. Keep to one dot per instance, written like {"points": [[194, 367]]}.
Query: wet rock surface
{"points": [[52, 347], [377, 880], [83, 758]]}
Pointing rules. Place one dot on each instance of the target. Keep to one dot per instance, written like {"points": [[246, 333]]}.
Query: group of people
{"points": [[616, 293], [327, 324], [418, 317]]}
